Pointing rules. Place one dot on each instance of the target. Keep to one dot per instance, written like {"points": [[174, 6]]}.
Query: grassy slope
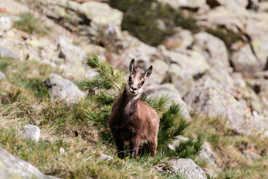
{"points": [[81, 130]]}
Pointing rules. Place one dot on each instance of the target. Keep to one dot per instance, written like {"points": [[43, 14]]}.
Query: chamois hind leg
{"points": [[120, 147], [153, 147], [134, 146]]}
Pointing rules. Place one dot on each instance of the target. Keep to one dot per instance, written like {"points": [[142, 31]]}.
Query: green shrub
{"points": [[3, 65], [37, 87], [189, 148], [158, 104], [108, 78], [172, 124]]}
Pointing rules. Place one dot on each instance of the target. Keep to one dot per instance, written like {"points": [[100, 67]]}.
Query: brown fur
{"points": [[134, 121]]}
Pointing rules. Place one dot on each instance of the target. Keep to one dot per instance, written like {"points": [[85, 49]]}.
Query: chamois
{"points": [[133, 120]]}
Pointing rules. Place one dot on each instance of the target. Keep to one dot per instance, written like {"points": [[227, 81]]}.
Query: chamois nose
{"points": [[132, 90]]}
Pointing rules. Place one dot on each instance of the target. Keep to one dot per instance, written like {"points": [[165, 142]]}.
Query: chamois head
{"points": [[137, 78]]}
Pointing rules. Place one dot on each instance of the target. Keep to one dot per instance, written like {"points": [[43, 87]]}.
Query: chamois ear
{"points": [[148, 72], [131, 65]]}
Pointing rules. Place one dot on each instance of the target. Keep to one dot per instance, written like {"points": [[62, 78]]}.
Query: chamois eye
{"points": [[129, 80], [142, 83]]}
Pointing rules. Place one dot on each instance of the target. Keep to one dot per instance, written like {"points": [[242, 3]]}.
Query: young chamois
{"points": [[133, 120]]}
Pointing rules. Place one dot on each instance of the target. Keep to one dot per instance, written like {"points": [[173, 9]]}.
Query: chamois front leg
{"points": [[134, 146], [120, 147]]}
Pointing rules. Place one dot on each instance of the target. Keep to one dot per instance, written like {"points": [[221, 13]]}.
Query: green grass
{"points": [[31, 24]]}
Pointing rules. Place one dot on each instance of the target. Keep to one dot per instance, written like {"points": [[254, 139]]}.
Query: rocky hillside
{"points": [[63, 63]]}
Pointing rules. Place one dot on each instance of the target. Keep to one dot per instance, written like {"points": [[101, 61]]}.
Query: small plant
{"points": [[190, 148], [108, 78], [105, 99], [3, 65], [172, 124], [38, 88], [30, 24], [158, 104]]}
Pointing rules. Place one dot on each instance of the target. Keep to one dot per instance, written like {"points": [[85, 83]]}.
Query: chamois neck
{"points": [[126, 98]]}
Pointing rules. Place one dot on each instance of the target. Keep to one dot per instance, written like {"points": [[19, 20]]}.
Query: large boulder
{"points": [[200, 4], [70, 52], [63, 89], [184, 67], [213, 100], [186, 168], [182, 39], [7, 53], [251, 57], [169, 92], [104, 23], [213, 49], [12, 167]]}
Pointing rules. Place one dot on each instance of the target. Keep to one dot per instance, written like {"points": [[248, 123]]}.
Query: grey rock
{"points": [[248, 61], [171, 93], [5, 23], [12, 167], [213, 49], [207, 155], [185, 3], [185, 63], [105, 157], [134, 48], [2, 76], [105, 22], [213, 100], [63, 89], [70, 52], [31, 132], [176, 142], [182, 39], [187, 168], [6, 53], [184, 66]]}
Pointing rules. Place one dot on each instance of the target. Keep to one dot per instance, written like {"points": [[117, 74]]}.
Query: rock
{"points": [[62, 151], [185, 63], [213, 49], [207, 155], [12, 167], [168, 91], [185, 3], [31, 132], [70, 52], [176, 142], [160, 70], [182, 39], [2, 76], [237, 20], [248, 61], [187, 168], [6, 53], [260, 88], [185, 66], [211, 99], [104, 22], [105, 157], [5, 23], [234, 4], [134, 48], [63, 89]]}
